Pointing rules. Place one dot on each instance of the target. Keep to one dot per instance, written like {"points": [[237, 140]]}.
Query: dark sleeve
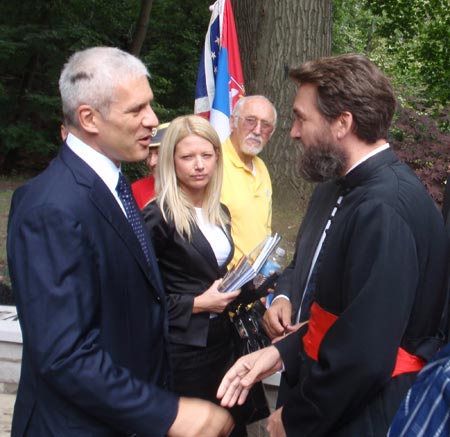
{"points": [[164, 238], [289, 349], [59, 305], [446, 204], [358, 353]]}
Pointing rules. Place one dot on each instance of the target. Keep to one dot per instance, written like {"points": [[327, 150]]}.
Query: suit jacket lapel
{"points": [[202, 245], [107, 204], [109, 208], [231, 254]]}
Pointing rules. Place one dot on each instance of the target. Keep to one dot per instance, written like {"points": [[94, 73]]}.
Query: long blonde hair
{"points": [[172, 201]]}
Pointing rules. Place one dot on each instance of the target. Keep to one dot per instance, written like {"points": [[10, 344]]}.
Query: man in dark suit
{"points": [[88, 291], [372, 296]]}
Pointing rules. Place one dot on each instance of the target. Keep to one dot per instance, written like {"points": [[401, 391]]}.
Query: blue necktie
{"points": [[124, 191]]}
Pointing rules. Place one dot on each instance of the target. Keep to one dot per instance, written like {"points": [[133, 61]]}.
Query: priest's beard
{"points": [[322, 161]]}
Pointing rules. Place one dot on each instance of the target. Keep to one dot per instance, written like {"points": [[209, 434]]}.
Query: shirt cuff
{"points": [[283, 296]]}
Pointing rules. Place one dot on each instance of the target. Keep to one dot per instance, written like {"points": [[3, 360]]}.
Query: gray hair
{"points": [[91, 76], [241, 101]]}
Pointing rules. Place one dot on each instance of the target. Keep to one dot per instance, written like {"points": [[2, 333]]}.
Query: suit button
{"points": [[158, 298]]}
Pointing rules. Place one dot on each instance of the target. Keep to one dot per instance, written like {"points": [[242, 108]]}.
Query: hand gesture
{"points": [[248, 370]]}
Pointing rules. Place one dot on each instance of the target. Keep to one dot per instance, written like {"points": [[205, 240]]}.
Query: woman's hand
{"points": [[212, 300]]}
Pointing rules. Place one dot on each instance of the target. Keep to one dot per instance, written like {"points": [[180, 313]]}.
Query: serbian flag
{"points": [[220, 82]]}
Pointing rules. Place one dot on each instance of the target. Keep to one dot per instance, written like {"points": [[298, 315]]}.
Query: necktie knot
{"points": [[126, 197]]}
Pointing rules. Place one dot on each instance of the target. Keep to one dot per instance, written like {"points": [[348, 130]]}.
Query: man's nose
{"points": [[295, 131], [257, 129], [150, 119]]}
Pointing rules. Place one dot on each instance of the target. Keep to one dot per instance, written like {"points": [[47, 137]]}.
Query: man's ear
{"points": [[88, 118], [343, 124]]}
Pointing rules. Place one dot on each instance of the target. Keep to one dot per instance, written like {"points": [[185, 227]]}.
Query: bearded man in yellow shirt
{"points": [[247, 188]]}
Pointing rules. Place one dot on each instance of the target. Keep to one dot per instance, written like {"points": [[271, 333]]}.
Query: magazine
{"points": [[249, 265]]}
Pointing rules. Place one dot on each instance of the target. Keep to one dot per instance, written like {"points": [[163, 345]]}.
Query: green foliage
{"points": [[410, 41], [37, 37], [353, 27], [172, 53], [415, 36]]}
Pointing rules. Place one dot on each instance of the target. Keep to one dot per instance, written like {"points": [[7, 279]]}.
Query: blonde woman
{"points": [[191, 236]]}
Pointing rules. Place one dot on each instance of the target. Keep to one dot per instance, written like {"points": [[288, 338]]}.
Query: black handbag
{"points": [[250, 336], [246, 314], [247, 320]]}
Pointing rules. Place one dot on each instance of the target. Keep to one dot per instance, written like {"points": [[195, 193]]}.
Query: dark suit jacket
{"points": [[188, 269], [92, 313]]}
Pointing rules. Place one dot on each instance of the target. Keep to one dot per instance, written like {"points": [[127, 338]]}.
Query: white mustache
{"points": [[254, 138]]}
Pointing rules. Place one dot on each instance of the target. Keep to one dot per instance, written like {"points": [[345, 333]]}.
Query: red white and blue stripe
{"points": [[220, 82]]}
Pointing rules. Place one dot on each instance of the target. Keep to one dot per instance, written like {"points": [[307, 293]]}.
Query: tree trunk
{"points": [[141, 27], [274, 36]]}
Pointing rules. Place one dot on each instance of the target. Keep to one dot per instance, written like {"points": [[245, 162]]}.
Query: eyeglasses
{"points": [[251, 122]]}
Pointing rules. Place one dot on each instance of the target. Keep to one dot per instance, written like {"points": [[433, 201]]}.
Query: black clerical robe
{"points": [[383, 272]]}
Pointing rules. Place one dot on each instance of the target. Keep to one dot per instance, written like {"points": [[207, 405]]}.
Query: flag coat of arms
{"points": [[220, 82]]}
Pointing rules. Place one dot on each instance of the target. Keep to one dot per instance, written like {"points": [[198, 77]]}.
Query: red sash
{"points": [[321, 321]]}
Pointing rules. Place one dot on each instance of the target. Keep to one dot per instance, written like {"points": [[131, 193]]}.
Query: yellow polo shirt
{"points": [[248, 196]]}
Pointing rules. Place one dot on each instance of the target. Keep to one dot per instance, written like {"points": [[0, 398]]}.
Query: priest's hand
{"points": [[277, 318], [248, 370]]}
